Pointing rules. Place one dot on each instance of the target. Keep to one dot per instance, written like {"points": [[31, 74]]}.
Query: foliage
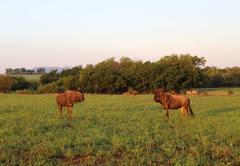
{"points": [[50, 88], [232, 77], [5, 83], [41, 71], [118, 130], [50, 77], [18, 71], [178, 72], [175, 72], [19, 83]]}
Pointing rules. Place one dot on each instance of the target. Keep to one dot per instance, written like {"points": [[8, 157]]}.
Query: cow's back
{"points": [[64, 98], [177, 101]]}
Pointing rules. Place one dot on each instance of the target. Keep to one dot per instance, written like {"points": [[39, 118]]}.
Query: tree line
{"points": [[23, 71], [175, 72]]}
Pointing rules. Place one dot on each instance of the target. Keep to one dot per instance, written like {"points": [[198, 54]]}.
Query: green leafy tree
{"points": [[103, 78], [22, 71], [8, 71], [143, 80], [127, 73], [20, 83], [41, 71], [16, 71], [213, 77], [84, 79], [50, 77], [232, 77], [75, 71], [178, 72]]}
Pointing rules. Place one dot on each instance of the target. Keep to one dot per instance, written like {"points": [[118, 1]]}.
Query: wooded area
{"points": [[175, 72], [23, 71]]}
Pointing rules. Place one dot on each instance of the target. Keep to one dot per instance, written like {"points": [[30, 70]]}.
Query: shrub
{"points": [[5, 84], [50, 88]]}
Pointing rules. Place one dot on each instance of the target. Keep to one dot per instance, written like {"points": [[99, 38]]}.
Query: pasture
{"points": [[30, 77], [119, 130]]}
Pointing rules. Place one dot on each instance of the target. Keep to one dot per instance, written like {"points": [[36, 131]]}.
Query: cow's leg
{"points": [[71, 113], [186, 108], [183, 113], [60, 110], [166, 115], [68, 111]]}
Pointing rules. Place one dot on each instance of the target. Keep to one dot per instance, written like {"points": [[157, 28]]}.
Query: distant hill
{"points": [[48, 69]]}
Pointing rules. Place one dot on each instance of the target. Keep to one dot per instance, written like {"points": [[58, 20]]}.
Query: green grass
{"points": [[30, 77], [118, 130]]}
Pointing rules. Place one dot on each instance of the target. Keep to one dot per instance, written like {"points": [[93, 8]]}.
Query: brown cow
{"points": [[69, 98], [205, 93], [134, 92], [230, 92], [170, 101]]}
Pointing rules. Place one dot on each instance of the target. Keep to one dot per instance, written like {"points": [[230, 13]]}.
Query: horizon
{"points": [[73, 33]]}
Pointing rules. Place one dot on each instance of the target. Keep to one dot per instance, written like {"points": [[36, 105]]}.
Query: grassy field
{"points": [[119, 130], [30, 77]]}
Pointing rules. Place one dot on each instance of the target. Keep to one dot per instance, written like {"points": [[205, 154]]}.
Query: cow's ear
{"points": [[156, 88], [78, 88], [163, 88]]}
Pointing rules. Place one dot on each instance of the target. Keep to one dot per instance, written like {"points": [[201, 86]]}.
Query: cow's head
{"points": [[80, 95], [158, 95]]}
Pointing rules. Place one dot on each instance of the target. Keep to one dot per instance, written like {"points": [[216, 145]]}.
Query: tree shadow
{"points": [[224, 110]]}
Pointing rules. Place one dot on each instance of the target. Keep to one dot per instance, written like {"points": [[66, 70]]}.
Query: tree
{"points": [[22, 71], [178, 72], [213, 77], [19, 83], [40, 70], [103, 78], [8, 71], [143, 80], [84, 78], [5, 83], [50, 77], [127, 73], [75, 71], [16, 71], [232, 77]]}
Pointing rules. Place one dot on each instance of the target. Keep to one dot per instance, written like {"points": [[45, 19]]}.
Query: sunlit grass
{"points": [[30, 77], [115, 129]]}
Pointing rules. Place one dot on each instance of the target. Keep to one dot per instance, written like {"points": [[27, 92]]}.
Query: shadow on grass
{"points": [[224, 110]]}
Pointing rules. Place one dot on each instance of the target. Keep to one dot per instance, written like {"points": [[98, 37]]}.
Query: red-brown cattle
{"points": [[170, 101], [230, 92], [134, 92], [69, 98]]}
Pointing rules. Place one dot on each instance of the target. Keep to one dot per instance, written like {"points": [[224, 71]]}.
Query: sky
{"points": [[79, 32]]}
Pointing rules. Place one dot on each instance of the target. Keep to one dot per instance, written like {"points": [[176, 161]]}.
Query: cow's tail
{"points": [[191, 109]]}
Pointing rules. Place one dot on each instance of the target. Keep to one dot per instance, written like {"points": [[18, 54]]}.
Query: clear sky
{"points": [[35, 33]]}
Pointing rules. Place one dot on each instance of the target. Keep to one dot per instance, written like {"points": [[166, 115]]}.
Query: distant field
{"points": [[118, 130], [30, 77]]}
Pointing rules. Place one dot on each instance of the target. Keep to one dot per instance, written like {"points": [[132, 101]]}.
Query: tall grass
{"points": [[118, 130]]}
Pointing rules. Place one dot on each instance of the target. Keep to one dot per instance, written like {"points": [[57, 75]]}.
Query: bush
{"points": [[5, 84], [50, 88], [19, 83]]}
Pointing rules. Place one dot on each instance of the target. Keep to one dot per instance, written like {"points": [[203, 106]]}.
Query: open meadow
{"points": [[30, 77], [119, 130]]}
